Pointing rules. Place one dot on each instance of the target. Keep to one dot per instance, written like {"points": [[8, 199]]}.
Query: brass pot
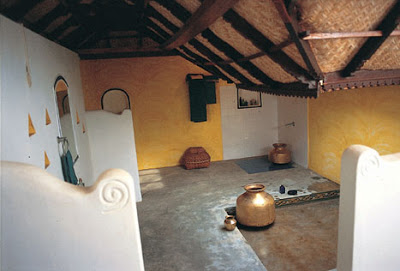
{"points": [[255, 207], [279, 154], [230, 223]]}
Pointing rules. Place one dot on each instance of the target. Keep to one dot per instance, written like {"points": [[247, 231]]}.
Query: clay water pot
{"points": [[255, 207], [279, 154], [230, 223]]}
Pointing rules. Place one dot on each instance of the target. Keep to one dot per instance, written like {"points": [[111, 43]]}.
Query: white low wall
{"points": [[48, 224], [112, 143], [368, 236]]}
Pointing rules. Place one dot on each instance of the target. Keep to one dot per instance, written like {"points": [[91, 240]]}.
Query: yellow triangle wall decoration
{"points": [[32, 130], [77, 118], [48, 120], [46, 160], [83, 128]]}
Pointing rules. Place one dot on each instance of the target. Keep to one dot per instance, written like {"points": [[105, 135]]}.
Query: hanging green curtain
{"points": [[67, 164], [210, 92], [198, 101]]}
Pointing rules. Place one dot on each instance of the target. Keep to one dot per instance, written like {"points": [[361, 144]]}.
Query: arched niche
{"points": [[65, 120], [115, 100]]}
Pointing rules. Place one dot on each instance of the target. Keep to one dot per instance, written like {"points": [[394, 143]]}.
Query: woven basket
{"points": [[196, 157]]}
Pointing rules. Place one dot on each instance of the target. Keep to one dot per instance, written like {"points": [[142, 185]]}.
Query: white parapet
{"points": [[48, 224], [369, 214]]}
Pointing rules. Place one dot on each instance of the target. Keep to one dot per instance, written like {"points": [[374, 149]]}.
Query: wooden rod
{"points": [[340, 35]]}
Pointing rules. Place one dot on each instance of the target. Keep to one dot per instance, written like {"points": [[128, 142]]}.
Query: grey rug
{"points": [[260, 164]]}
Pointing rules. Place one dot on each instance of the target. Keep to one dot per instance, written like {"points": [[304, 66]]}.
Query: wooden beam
{"points": [[195, 43], [265, 45], [204, 16], [154, 36], [256, 55], [118, 50], [212, 70], [122, 37], [235, 56], [75, 37], [47, 19], [294, 29], [90, 23], [360, 79], [141, 5], [388, 24], [182, 14], [127, 54], [290, 89], [194, 58], [71, 21], [18, 11], [343, 35]]}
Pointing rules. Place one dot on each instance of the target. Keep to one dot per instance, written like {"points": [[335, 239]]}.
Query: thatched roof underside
{"points": [[275, 46]]}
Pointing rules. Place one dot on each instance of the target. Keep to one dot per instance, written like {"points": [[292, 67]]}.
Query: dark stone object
{"points": [[282, 189], [292, 192]]}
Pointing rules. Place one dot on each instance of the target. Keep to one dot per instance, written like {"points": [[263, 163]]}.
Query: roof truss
{"points": [[388, 24], [205, 15]]}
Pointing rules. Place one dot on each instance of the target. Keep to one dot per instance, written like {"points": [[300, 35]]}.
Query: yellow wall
{"points": [[160, 106], [368, 116]]}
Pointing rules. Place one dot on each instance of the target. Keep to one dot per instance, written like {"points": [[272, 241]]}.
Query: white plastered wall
{"points": [[247, 132], [113, 143], [369, 211], [46, 60], [291, 110]]}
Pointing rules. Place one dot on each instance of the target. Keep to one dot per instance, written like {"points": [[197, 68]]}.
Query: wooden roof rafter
{"points": [[194, 58], [233, 54], [44, 22], [86, 24], [257, 55], [387, 26], [296, 89], [290, 21], [268, 47], [198, 46], [341, 35], [18, 11], [205, 15], [182, 14], [59, 30]]}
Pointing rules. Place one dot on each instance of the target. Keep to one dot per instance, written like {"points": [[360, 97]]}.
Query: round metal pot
{"points": [[280, 154], [255, 207], [230, 223]]}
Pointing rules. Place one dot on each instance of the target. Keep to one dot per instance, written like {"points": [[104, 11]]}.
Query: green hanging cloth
{"points": [[198, 101]]}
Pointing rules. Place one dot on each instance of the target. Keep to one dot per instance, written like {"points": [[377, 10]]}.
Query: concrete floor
{"points": [[182, 213], [303, 237]]}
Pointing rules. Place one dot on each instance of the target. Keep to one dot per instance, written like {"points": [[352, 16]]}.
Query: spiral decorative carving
{"points": [[114, 195], [369, 165]]}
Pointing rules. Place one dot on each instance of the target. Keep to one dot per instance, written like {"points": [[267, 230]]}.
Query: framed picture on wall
{"points": [[248, 99]]}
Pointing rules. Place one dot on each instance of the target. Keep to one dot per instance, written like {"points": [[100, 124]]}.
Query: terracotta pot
{"points": [[255, 207], [230, 223], [279, 154]]}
